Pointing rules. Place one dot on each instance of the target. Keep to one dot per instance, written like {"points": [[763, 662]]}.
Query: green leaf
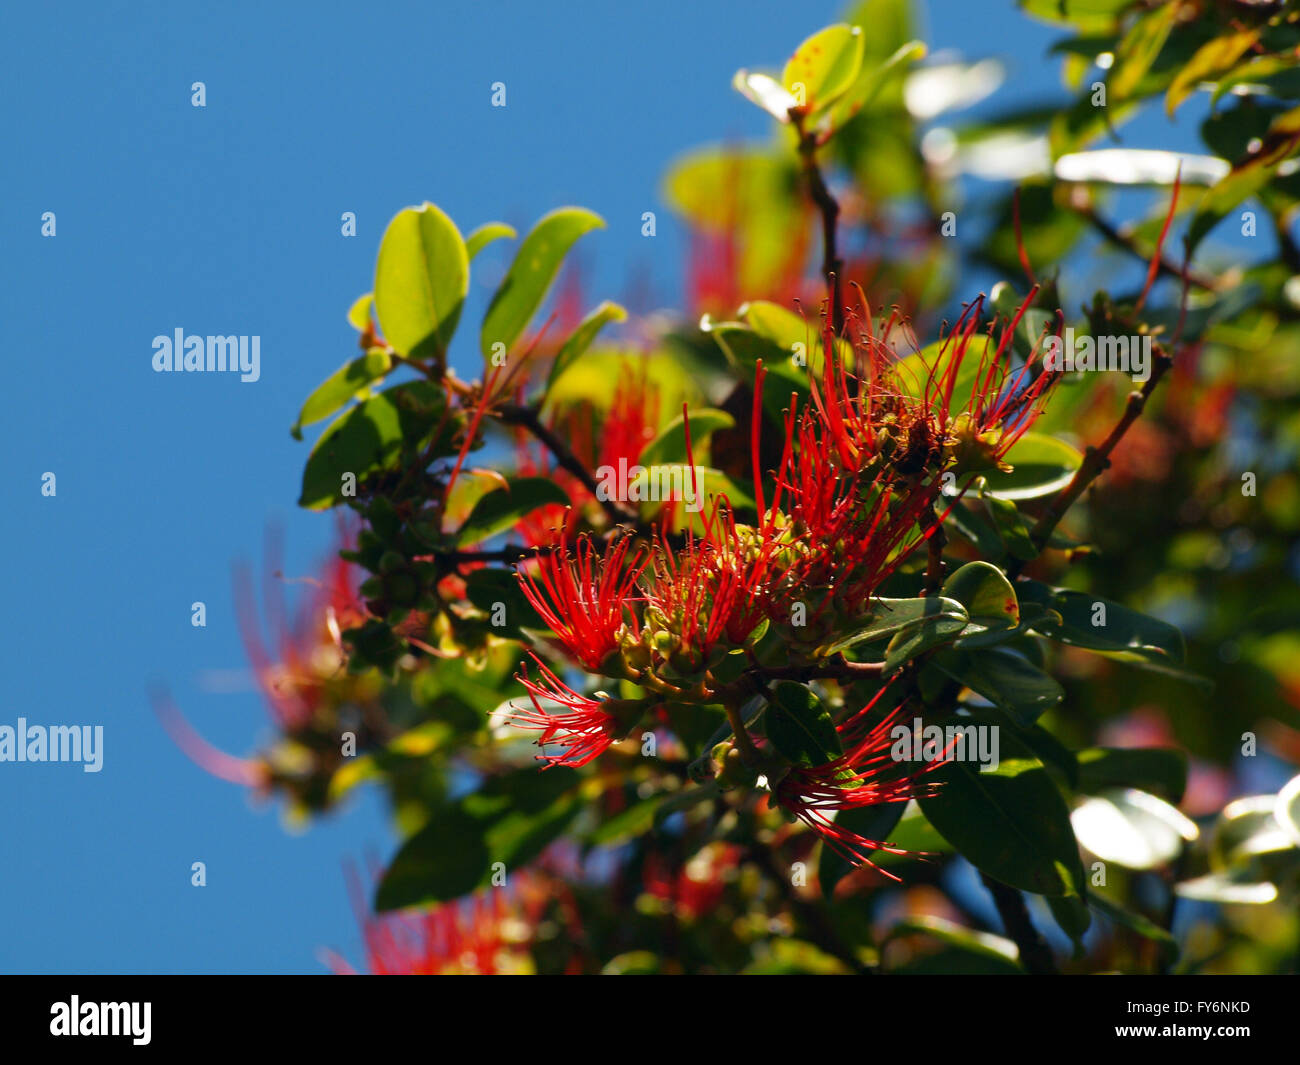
{"points": [[502, 508], [368, 438], [1091, 16], [522, 812], [520, 836], [444, 860], [1139, 49], [1287, 810], [694, 495], [534, 268], [915, 372], [908, 643], [580, 339], [1098, 624], [352, 379], [799, 727], [421, 279], [669, 447], [1003, 678], [794, 336], [869, 87], [1042, 465], [889, 616], [1213, 58], [485, 588], [359, 312], [1010, 822], [976, 529], [824, 67], [636, 820], [1247, 177], [1012, 528], [988, 596], [1072, 914], [485, 235], [1162, 771], [985, 945]]}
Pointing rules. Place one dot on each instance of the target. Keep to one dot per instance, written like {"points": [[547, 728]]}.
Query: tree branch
{"points": [[1122, 241], [1095, 461], [526, 418]]}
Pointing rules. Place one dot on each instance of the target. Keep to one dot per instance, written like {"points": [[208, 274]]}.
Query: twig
{"points": [[1095, 461], [1164, 267], [526, 418]]}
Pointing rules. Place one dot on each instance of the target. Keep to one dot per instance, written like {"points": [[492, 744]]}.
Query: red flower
{"points": [[485, 935], [583, 598], [865, 775], [588, 728], [293, 670], [299, 673], [885, 409], [695, 887]]}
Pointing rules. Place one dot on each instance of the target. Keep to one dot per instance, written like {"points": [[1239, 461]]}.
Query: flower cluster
{"points": [[860, 483]]}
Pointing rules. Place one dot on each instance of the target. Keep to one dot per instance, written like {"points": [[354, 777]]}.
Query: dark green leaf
{"points": [[870, 822], [1010, 822], [502, 508], [1004, 678], [799, 727], [444, 860], [1115, 630], [368, 438], [1162, 771]]}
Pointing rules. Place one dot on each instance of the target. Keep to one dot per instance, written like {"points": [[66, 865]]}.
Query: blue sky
{"points": [[226, 220]]}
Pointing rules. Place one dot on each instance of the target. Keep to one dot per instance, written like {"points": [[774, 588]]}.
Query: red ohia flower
{"points": [[588, 728], [581, 597], [865, 775], [485, 935]]}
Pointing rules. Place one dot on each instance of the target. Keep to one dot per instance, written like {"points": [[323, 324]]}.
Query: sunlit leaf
{"points": [[352, 379], [1132, 828], [421, 279], [485, 235], [530, 275], [824, 67]]}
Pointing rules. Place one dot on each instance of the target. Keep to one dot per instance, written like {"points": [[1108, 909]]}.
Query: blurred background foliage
{"points": [[1173, 769]]}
